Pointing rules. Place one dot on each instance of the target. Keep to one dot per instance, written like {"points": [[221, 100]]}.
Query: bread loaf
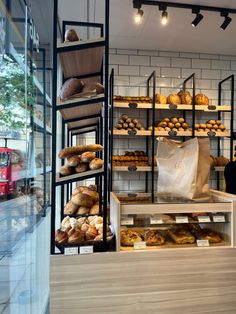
{"points": [[83, 210], [94, 210], [173, 99], [96, 163], [71, 35], [186, 98], [161, 99], [76, 236], [87, 157], [90, 87], [73, 161], [71, 87], [70, 208], [66, 170], [201, 99], [77, 150], [81, 199], [82, 167]]}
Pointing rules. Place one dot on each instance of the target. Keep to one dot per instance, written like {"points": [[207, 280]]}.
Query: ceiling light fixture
{"points": [[164, 18], [138, 16], [227, 20], [197, 19]]}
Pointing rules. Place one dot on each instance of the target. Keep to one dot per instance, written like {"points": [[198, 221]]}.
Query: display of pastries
{"points": [[206, 234], [137, 158], [181, 236], [128, 237], [210, 126], [126, 123], [153, 237], [172, 124]]}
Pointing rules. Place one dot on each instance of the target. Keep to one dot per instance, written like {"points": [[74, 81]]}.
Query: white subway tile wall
{"points": [[132, 67]]}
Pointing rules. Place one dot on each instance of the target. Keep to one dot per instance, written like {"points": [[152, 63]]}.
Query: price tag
{"points": [[172, 133], [132, 132], [211, 107], [140, 245], [133, 105], [181, 219], [73, 250], [211, 134], [204, 219], [173, 106], [219, 218], [155, 221], [86, 249], [132, 168], [129, 221], [202, 243]]}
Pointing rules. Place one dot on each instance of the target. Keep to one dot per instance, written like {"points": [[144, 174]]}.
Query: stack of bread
{"points": [[210, 126], [220, 161], [183, 97], [126, 123], [76, 231], [172, 124], [84, 200], [80, 159], [137, 158], [142, 99]]}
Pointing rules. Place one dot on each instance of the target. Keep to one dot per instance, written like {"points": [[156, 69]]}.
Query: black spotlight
{"points": [[226, 22], [197, 19]]}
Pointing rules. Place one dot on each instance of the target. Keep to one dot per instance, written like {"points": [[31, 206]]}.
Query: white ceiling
{"points": [[177, 35]]}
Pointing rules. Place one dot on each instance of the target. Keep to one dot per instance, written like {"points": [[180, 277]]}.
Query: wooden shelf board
{"points": [[81, 111], [81, 61], [83, 123], [139, 168], [179, 133], [78, 175], [141, 105], [88, 129], [217, 134], [125, 133], [73, 101]]}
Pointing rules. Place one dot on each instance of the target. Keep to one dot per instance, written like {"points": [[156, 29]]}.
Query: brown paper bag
{"points": [[184, 168]]}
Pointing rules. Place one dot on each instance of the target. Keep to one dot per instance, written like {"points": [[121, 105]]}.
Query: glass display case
{"points": [[172, 223]]}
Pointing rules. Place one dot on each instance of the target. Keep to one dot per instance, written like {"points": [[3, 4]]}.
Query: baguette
{"points": [[78, 150]]}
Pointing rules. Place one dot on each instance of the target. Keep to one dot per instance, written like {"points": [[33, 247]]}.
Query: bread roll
{"points": [[96, 163], [73, 161], [77, 150], [91, 233], [61, 237], [82, 167], [81, 199], [94, 210], [202, 126], [92, 187], [82, 210], [166, 120], [124, 117], [87, 156], [119, 126], [201, 99], [181, 120], [174, 120], [71, 35], [218, 122], [70, 208], [86, 190], [71, 87], [76, 236], [161, 99], [222, 127], [173, 99], [66, 170], [186, 98]]}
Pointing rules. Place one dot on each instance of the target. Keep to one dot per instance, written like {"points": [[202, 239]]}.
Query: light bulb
{"points": [[138, 16], [164, 18]]}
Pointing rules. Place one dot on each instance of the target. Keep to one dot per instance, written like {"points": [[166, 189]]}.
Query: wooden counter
{"points": [[173, 281]]}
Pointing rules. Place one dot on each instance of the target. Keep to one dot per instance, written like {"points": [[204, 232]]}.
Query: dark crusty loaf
{"points": [[71, 87]]}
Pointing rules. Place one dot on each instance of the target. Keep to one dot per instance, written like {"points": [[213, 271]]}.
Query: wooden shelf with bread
{"points": [[172, 223], [83, 107]]}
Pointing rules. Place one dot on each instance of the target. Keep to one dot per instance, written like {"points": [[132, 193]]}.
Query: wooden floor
{"points": [[175, 281]]}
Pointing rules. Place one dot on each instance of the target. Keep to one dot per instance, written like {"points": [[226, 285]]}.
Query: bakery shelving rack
{"points": [[183, 109], [85, 59]]}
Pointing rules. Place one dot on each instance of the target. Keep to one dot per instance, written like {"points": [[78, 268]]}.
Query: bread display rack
{"points": [[141, 225], [87, 60], [155, 109]]}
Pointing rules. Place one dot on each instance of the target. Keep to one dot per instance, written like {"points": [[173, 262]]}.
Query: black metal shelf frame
{"points": [[97, 123]]}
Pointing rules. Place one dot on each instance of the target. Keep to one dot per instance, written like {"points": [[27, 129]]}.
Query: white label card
{"points": [[181, 219], [204, 219], [202, 243], [71, 250], [219, 218], [140, 245], [128, 221], [86, 249], [155, 220]]}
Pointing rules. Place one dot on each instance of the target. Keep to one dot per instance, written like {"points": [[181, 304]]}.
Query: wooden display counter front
{"points": [[173, 281]]}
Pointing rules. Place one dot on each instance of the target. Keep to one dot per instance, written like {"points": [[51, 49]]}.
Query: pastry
{"points": [[96, 163], [173, 99], [201, 99], [73, 161], [71, 87], [85, 226], [94, 210], [87, 156], [93, 194], [129, 237], [206, 234], [153, 237], [77, 150], [81, 199], [82, 167], [82, 210], [71, 35], [76, 236], [66, 170], [91, 233], [61, 237], [70, 208], [161, 99], [81, 221], [65, 224], [181, 236]]}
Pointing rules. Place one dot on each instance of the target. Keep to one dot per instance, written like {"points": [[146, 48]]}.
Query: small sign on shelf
{"points": [[155, 220], [86, 249], [204, 219], [127, 221], [140, 245], [73, 250], [202, 243], [181, 219], [219, 218]]}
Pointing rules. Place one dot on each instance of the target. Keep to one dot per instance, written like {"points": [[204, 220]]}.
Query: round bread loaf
{"points": [[71, 87], [88, 191], [201, 100], [161, 99], [81, 199], [83, 210], [87, 156], [94, 210], [82, 167], [76, 236], [96, 163], [66, 170], [71, 35], [186, 98], [173, 99], [73, 161]]}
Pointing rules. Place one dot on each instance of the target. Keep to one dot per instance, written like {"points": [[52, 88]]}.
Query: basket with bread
{"points": [[80, 159]]}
